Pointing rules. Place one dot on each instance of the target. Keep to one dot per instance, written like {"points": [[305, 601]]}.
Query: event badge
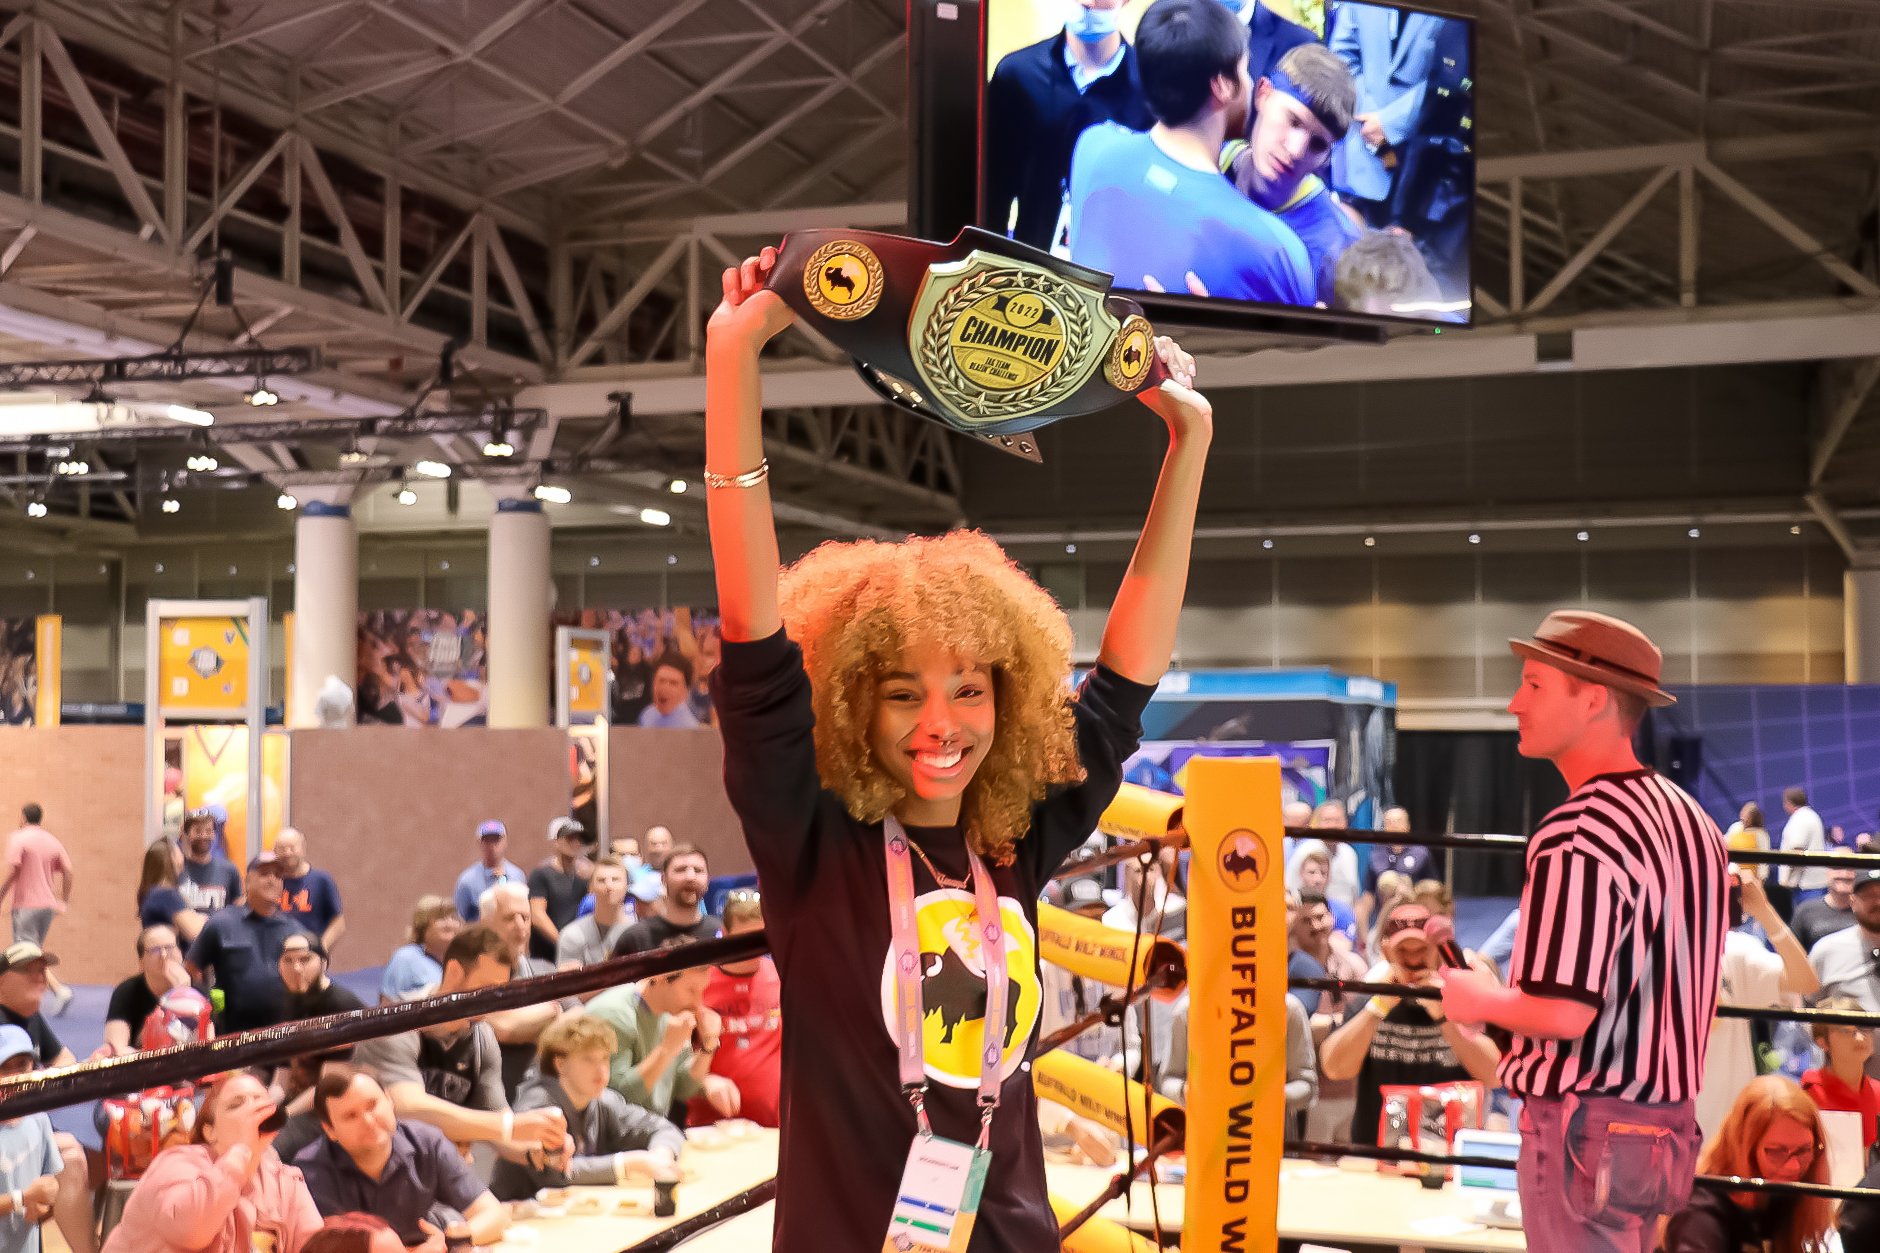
{"points": [[938, 1199]]}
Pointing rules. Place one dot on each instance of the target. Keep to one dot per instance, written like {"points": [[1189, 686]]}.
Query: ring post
{"points": [[1236, 1005]]}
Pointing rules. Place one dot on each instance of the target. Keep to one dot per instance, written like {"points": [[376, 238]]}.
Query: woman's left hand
{"points": [[1187, 411]]}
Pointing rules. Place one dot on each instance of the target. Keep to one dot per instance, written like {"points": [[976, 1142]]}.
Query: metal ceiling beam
{"points": [[1842, 387]]}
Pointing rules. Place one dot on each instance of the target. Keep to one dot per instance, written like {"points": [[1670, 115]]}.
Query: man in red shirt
{"points": [[1843, 1083], [745, 997]]}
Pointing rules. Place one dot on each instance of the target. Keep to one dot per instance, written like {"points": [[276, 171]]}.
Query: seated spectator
{"points": [[1390, 1042], [557, 886], [1412, 861], [747, 997], [592, 937], [158, 900], [405, 1172], [680, 911], [1315, 873], [450, 1075], [311, 993], [160, 968], [612, 1140], [226, 1192], [206, 879], [420, 963], [1844, 960], [30, 1163], [1773, 1132], [1343, 886], [1168, 909], [1302, 1065], [1750, 975], [654, 1021], [240, 948], [1860, 1219], [505, 907], [1314, 955], [1818, 919], [355, 1233], [1843, 1083], [1435, 896]]}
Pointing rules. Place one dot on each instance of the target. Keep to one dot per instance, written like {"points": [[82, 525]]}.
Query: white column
{"points": [[520, 601], [1860, 602], [326, 605]]}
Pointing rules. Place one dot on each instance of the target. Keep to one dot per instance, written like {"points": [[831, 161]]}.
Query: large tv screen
{"points": [[1295, 154]]}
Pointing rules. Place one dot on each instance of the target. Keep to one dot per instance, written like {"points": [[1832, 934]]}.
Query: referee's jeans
{"points": [[1597, 1173]]}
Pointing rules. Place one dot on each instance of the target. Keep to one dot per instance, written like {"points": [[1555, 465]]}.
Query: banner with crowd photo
{"points": [[423, 668], [663, 659], [29, 671]]}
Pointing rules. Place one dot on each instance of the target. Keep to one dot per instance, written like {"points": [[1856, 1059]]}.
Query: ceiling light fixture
{"points": [[35, 508], [172, 505], [287, 501], [1583, 536], [405, 495], [201, 463], [553, 495], [261, 397], [431, 469], [72, 468], [655, 517], [677, 487], [1475, 537]]}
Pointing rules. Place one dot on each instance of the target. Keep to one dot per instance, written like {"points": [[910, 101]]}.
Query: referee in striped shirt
{"points": [[1614, 977]]}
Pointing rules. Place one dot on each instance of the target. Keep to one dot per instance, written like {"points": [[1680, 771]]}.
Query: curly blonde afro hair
{"points": [[858, 608]]}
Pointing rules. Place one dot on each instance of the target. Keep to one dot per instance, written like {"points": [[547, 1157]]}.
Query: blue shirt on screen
{"points": [[1324, 228], [1135, 212]]}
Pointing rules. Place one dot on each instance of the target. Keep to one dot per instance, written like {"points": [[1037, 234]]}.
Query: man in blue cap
{"points": [[29, 1155], [492, 869]]}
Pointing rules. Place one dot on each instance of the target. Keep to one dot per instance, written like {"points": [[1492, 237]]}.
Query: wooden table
{"points": [[1337, 1205]]}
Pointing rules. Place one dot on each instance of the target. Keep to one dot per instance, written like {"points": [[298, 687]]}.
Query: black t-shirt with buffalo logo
{"points": [[846, 1127]]}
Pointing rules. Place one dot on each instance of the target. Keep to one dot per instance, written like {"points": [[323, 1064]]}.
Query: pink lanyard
{"points": [[909, 1011]]}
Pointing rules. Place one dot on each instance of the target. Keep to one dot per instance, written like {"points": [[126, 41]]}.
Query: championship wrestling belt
{"points": [[987, 337]]}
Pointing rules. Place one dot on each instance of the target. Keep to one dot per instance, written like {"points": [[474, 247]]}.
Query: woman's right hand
{"points": [[750, 315]]}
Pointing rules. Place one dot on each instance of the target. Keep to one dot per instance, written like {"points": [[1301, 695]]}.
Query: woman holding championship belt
{"points": [[909, 768]]}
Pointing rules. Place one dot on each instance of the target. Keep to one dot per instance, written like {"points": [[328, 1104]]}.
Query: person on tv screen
{"points": [[1390, 52], [1040, 99], [1299, 113], [1153, 208]]}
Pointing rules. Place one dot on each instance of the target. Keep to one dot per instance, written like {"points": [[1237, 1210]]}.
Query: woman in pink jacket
{"points": [[225, 1193]]}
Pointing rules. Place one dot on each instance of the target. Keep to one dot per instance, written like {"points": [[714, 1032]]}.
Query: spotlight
{"points": [[172, 505], [672, 559], [35, 508], [593, 561], [677, 487], [183, 413], [655, 517], [353, 455], [405, 495], [1267, 544], [1474, 538], [553, 495], [286, 500], [1795, 530], [1583, 536], [1694, 533], [72, 467], [1370, 541], [261, 397], [498, 445], [1070, 550], [432, 469], [201, 463]]}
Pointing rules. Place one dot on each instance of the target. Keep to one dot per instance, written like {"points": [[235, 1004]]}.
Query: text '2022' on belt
{"points": [[986, 336]]}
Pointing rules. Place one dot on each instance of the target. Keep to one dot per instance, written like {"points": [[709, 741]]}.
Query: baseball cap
{"points": [[266, 859], [13, 1042], [567, 828], [24, 953], [312, 942], [1865, 878], [491, 830], [1406, 921]]}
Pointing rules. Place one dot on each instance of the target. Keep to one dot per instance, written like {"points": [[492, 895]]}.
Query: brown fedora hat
{"points": [[1599, 649]]}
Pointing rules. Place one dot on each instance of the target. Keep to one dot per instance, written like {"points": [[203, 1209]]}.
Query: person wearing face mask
{"points": [[1773, 1132], [909, 768], [1041, 98], [1153, 208]]}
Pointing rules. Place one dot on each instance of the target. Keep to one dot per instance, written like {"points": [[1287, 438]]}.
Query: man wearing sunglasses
{"points": [[1386, 1042]]}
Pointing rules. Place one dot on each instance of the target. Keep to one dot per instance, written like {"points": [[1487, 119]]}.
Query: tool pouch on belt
{"points": [[989, 337], [1622, 1167]]}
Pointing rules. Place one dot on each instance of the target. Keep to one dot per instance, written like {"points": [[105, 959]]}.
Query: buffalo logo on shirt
{"points": [[953, 986]]}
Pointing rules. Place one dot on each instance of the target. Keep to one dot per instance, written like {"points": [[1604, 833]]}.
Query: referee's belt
{"points": [[986, 336]]}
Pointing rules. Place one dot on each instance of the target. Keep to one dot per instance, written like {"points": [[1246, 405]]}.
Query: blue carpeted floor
{"points": [[81, 1027]]}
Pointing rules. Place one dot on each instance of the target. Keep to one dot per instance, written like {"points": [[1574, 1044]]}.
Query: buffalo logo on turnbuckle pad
{"points": [[953, 987]]}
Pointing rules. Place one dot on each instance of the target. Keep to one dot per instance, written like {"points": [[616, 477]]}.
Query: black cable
{"points": [[724, 1211]]}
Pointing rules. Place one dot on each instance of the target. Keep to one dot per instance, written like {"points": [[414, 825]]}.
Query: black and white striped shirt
{"points": [[1625, 910]]}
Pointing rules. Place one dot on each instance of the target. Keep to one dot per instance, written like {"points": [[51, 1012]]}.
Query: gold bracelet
{"points": [[750, 478]]}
